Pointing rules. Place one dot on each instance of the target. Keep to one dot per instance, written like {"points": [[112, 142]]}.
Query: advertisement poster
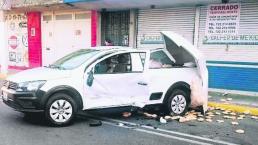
{"points": [[17, 39], [222, 19], [222, 26]]}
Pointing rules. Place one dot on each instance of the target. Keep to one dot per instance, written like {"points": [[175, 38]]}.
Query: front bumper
{"points": [[22, 101]]}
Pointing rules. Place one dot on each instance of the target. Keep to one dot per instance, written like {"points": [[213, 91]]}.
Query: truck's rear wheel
{"points": [[178, 102], [60, 109]]}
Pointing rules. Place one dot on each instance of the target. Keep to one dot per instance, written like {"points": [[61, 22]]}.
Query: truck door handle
{"points": [[47, 48], [142, 83]]}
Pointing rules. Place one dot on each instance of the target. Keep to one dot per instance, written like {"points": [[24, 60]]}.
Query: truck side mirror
{"points": [[90, 78]]}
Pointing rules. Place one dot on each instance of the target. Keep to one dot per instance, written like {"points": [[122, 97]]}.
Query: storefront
{"points": [[64, 32], [152, 21], [38, 34], [23, 39], [232, 56], [115, 27], [227, 34], [117, 24]]}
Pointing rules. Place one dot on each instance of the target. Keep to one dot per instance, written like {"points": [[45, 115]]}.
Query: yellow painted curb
{"points": [[235, 108]]}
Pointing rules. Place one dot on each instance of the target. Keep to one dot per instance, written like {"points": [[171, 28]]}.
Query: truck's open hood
{"points": [[41, 73], [183, 52], [180, 48]]}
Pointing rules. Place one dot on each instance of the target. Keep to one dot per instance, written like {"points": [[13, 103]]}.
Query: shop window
{"points": [[82, 16], [64, 17]]}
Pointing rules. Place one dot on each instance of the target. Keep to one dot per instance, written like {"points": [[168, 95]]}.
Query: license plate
{"points": [[5, 97]]}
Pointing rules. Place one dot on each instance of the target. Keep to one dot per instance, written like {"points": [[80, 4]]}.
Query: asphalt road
{"points": [[17, 129]]}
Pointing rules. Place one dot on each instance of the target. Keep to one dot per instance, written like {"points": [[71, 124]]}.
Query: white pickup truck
{"points": [[104, 77]]}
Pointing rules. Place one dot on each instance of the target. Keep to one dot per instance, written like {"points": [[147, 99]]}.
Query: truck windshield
{"points": [[74, 60]]}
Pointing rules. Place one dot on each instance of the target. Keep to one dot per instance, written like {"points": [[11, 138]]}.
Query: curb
{"points": [[236, 108]]}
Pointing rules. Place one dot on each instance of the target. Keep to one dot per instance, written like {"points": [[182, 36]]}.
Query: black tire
{"points": [[57, 99], [177, 95]]}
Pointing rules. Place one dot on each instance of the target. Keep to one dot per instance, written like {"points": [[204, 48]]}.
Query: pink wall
{"points": [[34, 39], [94, 27]]}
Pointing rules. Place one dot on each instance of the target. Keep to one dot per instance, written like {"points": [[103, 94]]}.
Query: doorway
{"points": [[115, 27]]}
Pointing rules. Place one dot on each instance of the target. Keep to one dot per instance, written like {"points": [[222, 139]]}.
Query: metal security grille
{"points": [[115, 26], [152, 21]]}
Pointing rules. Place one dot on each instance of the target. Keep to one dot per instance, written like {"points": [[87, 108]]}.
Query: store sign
{"points": [[151, 39], [222, 26], [251, 39], [222, 19], [17, 39]]}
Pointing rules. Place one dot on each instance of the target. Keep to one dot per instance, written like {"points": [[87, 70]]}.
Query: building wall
{"points": [[25, 3], [3, 57], [232, 67], [34, 39]]}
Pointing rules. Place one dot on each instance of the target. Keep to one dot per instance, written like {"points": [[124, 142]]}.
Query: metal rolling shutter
{"points": [[152, 21], [240, 53]]}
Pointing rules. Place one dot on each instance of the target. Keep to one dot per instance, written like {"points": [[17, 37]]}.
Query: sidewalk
{"points": [[238, 103]]}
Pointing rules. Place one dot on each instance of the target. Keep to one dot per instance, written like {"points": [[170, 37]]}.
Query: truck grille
{"points": [[10, 85]]}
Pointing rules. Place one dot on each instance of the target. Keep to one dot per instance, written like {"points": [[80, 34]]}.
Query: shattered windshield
{"points": [[75, 59]]}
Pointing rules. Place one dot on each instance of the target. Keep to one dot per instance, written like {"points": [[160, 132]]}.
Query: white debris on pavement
{"points": [[217, 113], [225, 94], [240, 118], [209, 120], [243, 116], [229, 99], [240, 131], [167, 117], [223, 100], [200, 119], [234, 123], [162, 120], [254, 117], [220, 121], [247, 112], [175, 117], [120, 124], [148, 115], [233, 113]]}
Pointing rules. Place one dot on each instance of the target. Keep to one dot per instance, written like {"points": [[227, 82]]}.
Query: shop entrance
{"points": [[115, 27]]}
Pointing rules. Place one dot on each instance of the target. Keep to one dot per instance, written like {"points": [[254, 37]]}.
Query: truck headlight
{"points": [[30, 86]]}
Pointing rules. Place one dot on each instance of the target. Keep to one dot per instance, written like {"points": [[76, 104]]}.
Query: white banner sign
{"points": [[222, 19], [5, 4]]}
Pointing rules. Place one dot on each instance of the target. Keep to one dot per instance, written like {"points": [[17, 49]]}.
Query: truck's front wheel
{"points": [[178, 102], [60, 109]]}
